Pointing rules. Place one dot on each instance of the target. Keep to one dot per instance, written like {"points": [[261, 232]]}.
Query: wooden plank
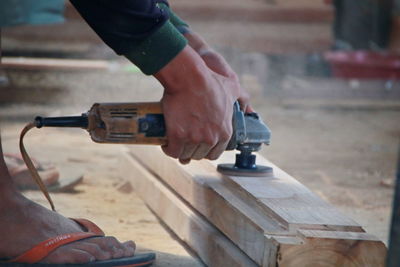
{"points": [[266, 217], [234, 10], [53, 63], [264, 14], [349, 104], [284, 198], [209, 243], [281, 197], [238, 220], [333, 248], [327, 248]]}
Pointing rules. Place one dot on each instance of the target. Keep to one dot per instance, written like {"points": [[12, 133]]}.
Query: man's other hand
{"points": [[198, 106], [217, 63]]}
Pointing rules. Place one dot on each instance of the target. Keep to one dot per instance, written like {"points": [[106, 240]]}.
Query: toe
{"points": [[118, 252], [69, 255], [93, 249], [129, 248], [110, 244]]}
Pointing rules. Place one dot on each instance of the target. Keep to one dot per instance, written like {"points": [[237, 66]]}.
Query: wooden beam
{"points": [[53, 64], [267, 217], [210, 244], [331, 248], [286, 200], [238, 220], [212, 10]]}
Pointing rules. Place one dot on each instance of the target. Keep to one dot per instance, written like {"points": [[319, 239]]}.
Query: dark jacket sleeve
{"points": [[141, 30]]}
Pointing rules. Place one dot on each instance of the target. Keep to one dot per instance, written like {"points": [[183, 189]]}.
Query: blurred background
{"points": [[324, 75]]}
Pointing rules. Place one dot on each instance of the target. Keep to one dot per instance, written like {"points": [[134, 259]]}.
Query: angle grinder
{"points": [[143, 123]]}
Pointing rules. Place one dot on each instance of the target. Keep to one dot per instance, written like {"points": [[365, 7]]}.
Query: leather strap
{"points": [[31, 166]]}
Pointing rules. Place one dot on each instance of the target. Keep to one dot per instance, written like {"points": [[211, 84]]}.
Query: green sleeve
{"points": [[160, 48], [152, 54], [141, 30], [179, 24]]}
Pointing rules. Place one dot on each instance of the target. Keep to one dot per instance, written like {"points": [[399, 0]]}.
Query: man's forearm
{"points": [[197, 43]]}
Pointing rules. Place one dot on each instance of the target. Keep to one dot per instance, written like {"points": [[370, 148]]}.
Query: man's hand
{"points": [[218, 64], [197, 106]]}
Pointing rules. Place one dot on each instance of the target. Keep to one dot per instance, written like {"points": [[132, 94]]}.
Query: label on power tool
{"points": [[153, 125]]}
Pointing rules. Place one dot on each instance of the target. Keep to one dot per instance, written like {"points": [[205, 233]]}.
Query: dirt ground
{"points": [[345, 155]]}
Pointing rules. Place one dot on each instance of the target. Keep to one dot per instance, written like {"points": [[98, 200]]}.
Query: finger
{"points": [[244, 103], [173, 148], [217, 151], [249, 109], [202, 151], [184, 161], [188, 151], [216, 63]]}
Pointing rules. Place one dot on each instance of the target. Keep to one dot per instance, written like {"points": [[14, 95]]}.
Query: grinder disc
{"points": [[231, 169]]}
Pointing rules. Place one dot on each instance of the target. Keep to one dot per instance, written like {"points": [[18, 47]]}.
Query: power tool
{"points": [[143, 123]]}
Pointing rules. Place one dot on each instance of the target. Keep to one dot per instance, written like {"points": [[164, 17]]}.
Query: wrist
{"points": [[183, 72]]}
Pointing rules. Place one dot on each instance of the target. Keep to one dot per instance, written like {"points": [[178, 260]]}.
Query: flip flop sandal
{"points": [[33, 256], [41, 250], [52, 178]]}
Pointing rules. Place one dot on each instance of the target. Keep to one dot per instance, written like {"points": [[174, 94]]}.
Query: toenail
{"points": [[92, 259]]}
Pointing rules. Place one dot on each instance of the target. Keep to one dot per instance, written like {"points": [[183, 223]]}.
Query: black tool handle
{"points": [[74, 121]]}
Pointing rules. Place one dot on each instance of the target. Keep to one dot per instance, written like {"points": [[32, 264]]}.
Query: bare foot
{"points": [[23, 224]]}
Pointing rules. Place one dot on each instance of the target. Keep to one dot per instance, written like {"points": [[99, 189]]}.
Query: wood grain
{"points": [[282, 197], [274, 220], [210, 244], [198, 185], [333, 248]]}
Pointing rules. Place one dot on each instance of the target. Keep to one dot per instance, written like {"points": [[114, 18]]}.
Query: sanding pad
{"points": [[258, 171]]}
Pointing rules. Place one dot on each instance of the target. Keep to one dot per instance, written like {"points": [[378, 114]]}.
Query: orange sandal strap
{"points": [[90, 226], [41, 250]]}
